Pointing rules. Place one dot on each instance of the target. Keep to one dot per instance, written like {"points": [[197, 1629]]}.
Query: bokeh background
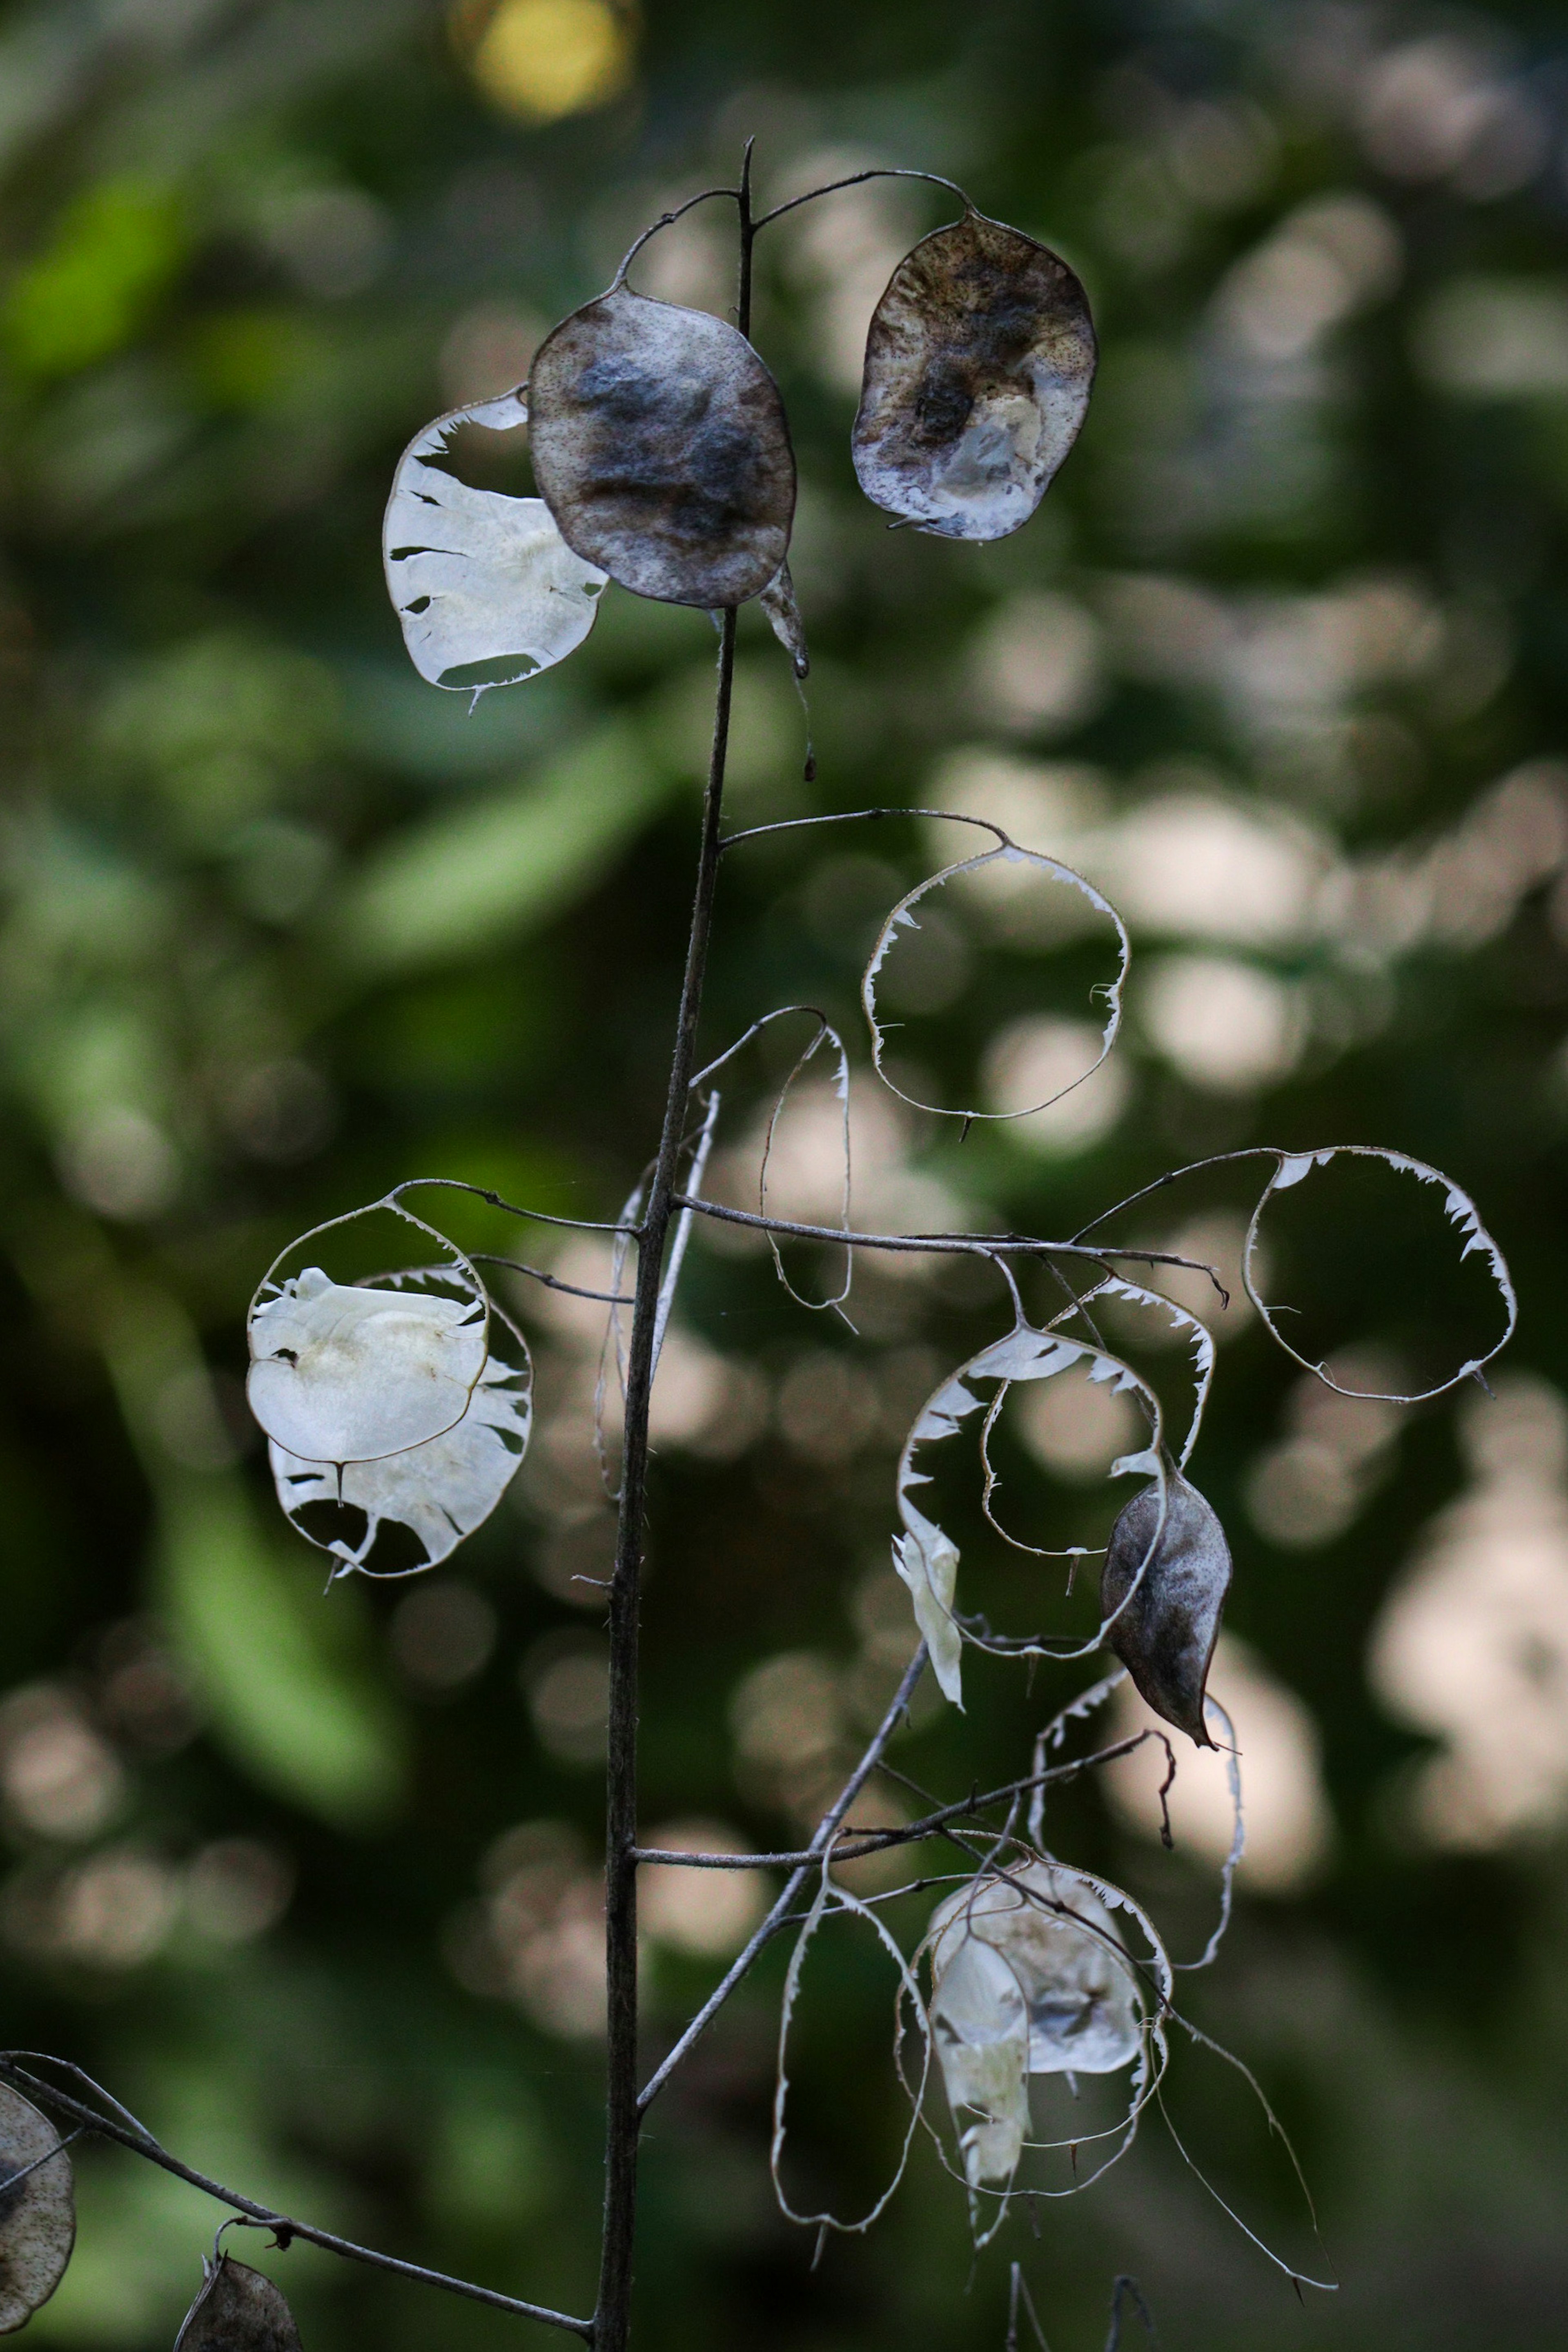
{"points": [[311, 1882]]}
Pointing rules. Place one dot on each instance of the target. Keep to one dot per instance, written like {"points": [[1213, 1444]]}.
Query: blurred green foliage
{"points": [[282, 925]]}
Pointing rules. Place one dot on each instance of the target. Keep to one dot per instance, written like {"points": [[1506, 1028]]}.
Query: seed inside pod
{"points": [[1165, 1636], [978, 367], [660, 447], [38, 2210], [238, 2310]]}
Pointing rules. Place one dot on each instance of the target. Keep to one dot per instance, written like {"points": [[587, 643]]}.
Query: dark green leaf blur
{"points": [[310, 1881]]}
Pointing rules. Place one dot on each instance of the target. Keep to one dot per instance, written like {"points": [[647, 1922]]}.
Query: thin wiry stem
{"points": [[877, 171], [973, 1244], [285, 2226], [612, 2318], [857, 1842], [826, 1829]]}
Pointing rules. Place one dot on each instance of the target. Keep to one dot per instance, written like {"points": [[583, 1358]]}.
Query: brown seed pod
{"points": [[37, 2214], [1165, 1636], [660, 447], [978, 367], [238, 2310]]}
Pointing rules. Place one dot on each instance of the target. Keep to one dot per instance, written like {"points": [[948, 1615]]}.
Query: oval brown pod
{"points": [[978, 367], [238, 2310], [661, 449], [37, 2209], [1166, 1633]]}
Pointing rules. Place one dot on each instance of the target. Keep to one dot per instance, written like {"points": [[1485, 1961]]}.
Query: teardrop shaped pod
{"points": [[978, 367], [1164, 1634], [660, 444]]}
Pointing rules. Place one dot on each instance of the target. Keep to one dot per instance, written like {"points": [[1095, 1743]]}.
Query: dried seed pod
{"points": [[1030, 1975], [439, 1492], [37, 2214], [345, 1372], [479, 582], [978, 368], [238, 2310], [1166, 1633], [660, 444], [982, 2032], [777, 600]]}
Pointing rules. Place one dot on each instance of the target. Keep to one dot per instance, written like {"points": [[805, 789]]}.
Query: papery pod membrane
{"points": [[37, 2214], [439, 1492], [660, 444], [978, 367], [353, 1372], [1070, 1966], [778, 601], [478, 580], [982, 2035], [238, 2310], [1165, 1633]]}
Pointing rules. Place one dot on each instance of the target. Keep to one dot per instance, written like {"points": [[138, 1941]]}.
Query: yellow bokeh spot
{"points": [[544, 59]]}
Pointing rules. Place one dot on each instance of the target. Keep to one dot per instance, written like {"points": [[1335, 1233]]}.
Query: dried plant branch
{"points": [[826, 1829], [855, 1844], [285, 2226], [974, 1244]]}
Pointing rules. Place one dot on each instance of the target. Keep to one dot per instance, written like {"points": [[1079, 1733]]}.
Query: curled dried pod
{"points": [[661, 449], [238, 2310], [1030, 1975], [1165, 1633], [37, 2209], [978, 367]]}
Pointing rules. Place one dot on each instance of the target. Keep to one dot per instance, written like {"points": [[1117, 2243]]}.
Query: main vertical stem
{"points": [[613, 2313]]}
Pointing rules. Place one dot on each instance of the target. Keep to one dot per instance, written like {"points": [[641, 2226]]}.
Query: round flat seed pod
{"points": [[978, 367], [344, 1372], [487, 590], [238, 2310], [38, 2213], [434, 1494], [661, 449]]}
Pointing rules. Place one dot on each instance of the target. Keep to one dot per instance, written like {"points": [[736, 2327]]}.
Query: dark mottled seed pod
{"points": [[978, 368], [1165, 1636], [38, 2212], [238, 2310], [661, 449]]}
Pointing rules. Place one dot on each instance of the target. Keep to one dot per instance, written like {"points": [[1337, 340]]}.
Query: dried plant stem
{"points": [[283, 2225], [826, 1829], [612, 2316]]}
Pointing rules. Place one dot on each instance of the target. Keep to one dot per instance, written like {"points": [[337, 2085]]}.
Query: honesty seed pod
{"points": [[978, 367], [1029, 1977], [480, 583], [437, 1493], [38, 2210], [661, 445], [238, 2310], [1165, 1633]]}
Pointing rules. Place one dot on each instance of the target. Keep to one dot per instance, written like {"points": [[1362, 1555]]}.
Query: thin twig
{"points": [[284, 2225], [826, 1829], [877, 171], [981, 1244], [857, 1842]]}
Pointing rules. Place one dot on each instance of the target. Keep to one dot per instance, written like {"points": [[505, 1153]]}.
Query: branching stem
{"points": [[284, 2226], [611, 2317]]}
